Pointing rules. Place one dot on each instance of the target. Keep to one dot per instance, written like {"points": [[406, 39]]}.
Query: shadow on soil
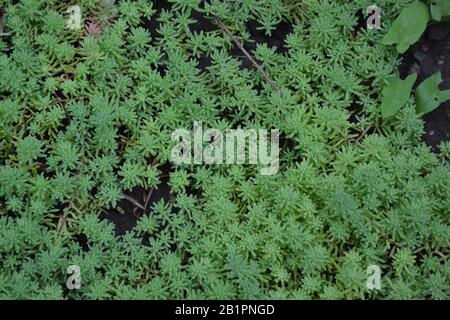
{"points": [[429, 55]]}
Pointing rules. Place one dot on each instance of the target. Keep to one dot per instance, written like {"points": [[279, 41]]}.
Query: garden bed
{"points": [[89, 177]]}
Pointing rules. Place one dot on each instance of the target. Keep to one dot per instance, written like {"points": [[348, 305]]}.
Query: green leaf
{"points": [[396, 94], [440, 9], [428, 95], [408, 27]]}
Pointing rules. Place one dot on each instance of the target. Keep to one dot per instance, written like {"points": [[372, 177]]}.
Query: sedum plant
{"points": [[86, 120]]}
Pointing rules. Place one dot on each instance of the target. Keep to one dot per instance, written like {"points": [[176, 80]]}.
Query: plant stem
{"points": [[249, 57], [363, 134], [132, 200], [148, 198]]}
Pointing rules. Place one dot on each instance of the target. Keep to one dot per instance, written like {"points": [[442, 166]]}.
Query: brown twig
{"points": [[363, 134], [101, 209], [148, 199], [132, 200], [249, 57]]}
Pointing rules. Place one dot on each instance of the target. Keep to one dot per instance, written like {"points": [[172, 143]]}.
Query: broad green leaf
{"points": [[395, 94], [408, 27], [428, 95], [440, 9]]}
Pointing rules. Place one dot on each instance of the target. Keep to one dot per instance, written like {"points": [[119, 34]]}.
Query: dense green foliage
{"points": [[87, 116]]}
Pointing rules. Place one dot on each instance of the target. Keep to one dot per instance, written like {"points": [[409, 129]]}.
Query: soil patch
{"points": [[429, 55], [125, 218]]}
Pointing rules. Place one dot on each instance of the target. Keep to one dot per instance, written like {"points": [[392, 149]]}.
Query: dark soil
{"points": [[82, 241], [152, 25], [277, 40], [361, 22], [127, 220], [426, 57], [203, 23], [206, 24]]}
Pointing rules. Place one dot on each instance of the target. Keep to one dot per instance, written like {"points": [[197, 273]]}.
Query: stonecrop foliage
{"points": [[86, 117]]}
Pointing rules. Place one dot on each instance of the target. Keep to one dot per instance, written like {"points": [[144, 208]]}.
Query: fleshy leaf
{"points": [[408, 27], [428, 95], [440, 9], [396, 94]]}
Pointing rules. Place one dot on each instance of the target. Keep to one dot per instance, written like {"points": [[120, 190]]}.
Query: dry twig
{"points": [[132, 200], [362, 135], [249, 57], [148, 199]]}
